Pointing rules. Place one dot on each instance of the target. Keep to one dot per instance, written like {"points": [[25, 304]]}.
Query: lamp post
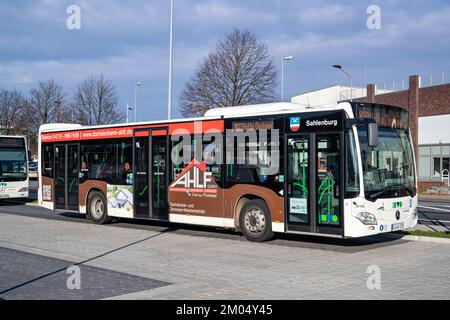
{"points": [[288, 58], [169, 103], [338, 66], [136, 86], [129, 108]]}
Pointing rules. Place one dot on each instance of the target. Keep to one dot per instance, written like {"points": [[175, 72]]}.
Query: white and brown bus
{"points": [[346, 171]]}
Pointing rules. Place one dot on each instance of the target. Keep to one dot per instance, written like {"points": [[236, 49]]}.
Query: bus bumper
{"points": [[385, 216]]}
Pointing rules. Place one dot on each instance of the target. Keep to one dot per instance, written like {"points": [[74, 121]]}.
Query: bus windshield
{"points": [[388, 169], [13, 164]]}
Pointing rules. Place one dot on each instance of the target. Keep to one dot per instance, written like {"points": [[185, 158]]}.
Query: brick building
{"points": [[429, 109]]}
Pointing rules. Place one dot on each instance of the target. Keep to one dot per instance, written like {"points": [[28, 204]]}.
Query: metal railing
{"points": [[392, 86], [434, 79], [426, 80], [355, 93]]}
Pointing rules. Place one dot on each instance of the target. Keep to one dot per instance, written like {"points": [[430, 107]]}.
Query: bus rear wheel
{"points": [[97, 209], [255, 221]]}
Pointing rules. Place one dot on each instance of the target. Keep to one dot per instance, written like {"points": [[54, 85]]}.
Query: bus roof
{"points": [[15, 137], [213, 114]]}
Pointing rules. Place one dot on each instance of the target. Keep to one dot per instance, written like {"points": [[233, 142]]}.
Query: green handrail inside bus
{"points": [[71, 184], [301, 186], [327, 186], [302, 181], [143, 191], [157, 179]]}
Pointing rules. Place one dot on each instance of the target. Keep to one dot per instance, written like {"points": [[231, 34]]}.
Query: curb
{"points": [[445, 198], [427, 239], [417, 238]]}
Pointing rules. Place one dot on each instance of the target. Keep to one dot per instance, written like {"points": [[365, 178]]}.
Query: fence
{"points": [[427, 80]]}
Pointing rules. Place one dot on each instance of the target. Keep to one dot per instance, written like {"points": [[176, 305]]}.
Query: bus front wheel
{"points": [[255, 221], [97, 209]]}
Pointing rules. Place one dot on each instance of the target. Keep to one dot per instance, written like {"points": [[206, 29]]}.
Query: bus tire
{"points": [[97, 208], [255, 221]]}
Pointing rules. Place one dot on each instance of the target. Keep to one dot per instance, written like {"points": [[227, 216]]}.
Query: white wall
{"points": [[434, 130], [328, 97]]}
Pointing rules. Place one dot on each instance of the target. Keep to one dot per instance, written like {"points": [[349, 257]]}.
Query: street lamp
{"points": [[169, 106], [129, 108], [137, 85], [288, 58], [338, 66]]}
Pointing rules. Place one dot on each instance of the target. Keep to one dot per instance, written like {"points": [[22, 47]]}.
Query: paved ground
{"points": [[30, 276], [147, 261]]}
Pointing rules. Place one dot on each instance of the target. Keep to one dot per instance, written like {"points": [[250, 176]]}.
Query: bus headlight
{"points": [[23, 189], [367, 218]]}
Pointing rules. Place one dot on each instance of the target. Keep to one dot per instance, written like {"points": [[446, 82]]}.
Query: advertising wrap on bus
{"points": [[300, 170]]}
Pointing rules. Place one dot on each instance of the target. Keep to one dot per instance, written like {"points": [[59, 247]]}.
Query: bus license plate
{"points": [[398, 226], [4, 196]]}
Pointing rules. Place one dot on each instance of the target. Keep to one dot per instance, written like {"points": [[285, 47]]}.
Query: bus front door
{"points": [[313, 182], [66, 179], [150, 167]]}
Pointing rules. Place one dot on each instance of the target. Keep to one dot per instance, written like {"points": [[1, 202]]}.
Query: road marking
{"points": [[434, 208], [430, 220], [434, 204]]}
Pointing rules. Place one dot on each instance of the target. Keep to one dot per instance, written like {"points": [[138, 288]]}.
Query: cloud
{"points": [[324, 14], [128, 41], [226, 13]]}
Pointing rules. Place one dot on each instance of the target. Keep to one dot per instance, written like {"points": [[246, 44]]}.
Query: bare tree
{"points": [[46, 105], [239, 72], [95, 102], [12, 105]]}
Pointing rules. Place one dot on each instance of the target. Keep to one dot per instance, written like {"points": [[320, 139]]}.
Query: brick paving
{"points": [[34, 277], [205, 266]]}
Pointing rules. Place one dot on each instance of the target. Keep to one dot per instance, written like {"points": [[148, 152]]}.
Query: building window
{"points": [[446, 164], [436, 167]]}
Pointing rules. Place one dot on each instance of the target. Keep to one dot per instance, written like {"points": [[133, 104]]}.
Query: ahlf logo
{"points": [[194, 176], [295, 124]]}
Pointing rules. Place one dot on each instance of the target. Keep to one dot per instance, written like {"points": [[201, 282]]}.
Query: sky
{"points": [[128, 41]]}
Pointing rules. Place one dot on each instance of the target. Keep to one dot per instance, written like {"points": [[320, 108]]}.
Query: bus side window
{"points": [[47, 161], [124, 172], [98, 161], [212, 154]]}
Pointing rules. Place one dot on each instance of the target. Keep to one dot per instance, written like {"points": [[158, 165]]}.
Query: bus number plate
{"points": [[398, 226]]}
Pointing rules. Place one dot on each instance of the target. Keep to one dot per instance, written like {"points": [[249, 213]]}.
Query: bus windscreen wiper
{"points": [[390, 188]]}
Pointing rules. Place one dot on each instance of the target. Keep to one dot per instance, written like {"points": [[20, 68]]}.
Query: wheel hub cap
{"points": [[255, 221]]}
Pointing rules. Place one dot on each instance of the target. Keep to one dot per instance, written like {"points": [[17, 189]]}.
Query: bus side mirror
{"points": [[372, 134]]}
